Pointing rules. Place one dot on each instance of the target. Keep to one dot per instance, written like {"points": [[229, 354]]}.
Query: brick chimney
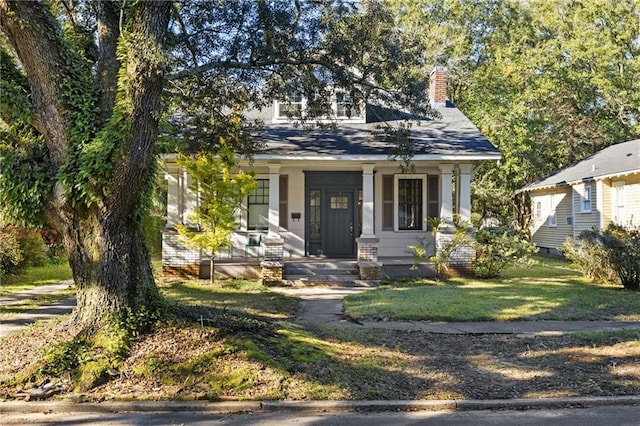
{"points": [[438, 86]]}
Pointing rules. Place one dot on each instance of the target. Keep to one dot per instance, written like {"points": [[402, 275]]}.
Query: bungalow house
{"points": [[337, 193], [601, 189]]}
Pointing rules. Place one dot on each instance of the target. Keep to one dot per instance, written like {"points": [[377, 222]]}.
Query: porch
{"points": [[310, 271]]}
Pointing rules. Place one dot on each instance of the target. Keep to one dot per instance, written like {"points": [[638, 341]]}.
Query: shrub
{"points": [[496, 249], [11, 259], [623, 250], [588, 254], [612, 255], [34, 250]]}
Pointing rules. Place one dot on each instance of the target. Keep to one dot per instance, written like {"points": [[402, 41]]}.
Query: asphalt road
{"points": [[614, 415]]}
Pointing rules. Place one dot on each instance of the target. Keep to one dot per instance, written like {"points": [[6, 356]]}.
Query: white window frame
{"points": [[618, 201], [396, 199], [266, 224], [538, 210], [278, 103], [552, 217], [586, 199]]}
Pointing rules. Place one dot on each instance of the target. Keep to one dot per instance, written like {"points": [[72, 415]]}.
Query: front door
{"points": [[340, 224]]}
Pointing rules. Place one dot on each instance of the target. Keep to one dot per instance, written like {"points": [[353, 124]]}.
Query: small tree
{"points": [[221, 193]]}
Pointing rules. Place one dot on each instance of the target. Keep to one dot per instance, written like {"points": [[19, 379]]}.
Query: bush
{"points": [[588, 254], [11, 259], [34, 250], [609, 256], [496, 249], [623, 250]]}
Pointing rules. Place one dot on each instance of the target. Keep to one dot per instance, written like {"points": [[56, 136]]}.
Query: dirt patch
{"points": [[186, 361]]}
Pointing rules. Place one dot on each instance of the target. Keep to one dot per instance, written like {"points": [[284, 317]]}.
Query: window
{"points": [[410, 202], [291, 107], [258, 206], [552, 219], [314, 213], [585, 198], [344, 104], [538, 209], [617, 203]]}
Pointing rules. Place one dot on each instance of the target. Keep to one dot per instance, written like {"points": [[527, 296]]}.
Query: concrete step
{"points": [[315, 272], [331, 283], [318, 277]]}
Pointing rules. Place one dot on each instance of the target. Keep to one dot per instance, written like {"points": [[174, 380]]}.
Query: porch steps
{"points": [[325, 273]]}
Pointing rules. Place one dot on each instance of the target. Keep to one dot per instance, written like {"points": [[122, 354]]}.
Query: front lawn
{"points": [[35, 276], [549, 290]]}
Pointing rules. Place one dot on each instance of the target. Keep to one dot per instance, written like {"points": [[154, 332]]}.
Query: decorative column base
{"points": [[462, 258], [273, 265], [368, 266]]}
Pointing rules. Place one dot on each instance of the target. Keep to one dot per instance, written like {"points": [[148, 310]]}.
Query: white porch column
{"points": [[274, 201], [464, 192], [367, 201], [173, 198], [446, 192], [190, 198]]}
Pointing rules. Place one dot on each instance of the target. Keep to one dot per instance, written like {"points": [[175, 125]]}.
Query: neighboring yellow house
{"points": [[597, 191]]}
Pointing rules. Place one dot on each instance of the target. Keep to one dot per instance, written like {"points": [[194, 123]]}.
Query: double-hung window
{"points": [[552, 219], [258, 206], [344, 105], [585, 199], [290, 107], [410, 202]]}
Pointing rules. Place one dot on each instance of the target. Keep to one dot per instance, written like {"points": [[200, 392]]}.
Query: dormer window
{"points": [[292, 107], [344, 105]]}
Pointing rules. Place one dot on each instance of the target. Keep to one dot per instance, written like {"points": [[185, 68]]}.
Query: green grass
{"points": [[549, 290], [243, 296], [34, 277]]}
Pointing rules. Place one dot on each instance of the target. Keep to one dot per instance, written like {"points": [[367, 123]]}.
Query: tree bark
{"points": [[103, 240]]}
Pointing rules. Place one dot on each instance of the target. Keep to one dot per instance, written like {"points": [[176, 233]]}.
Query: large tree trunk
{"points": [[111, 266]]}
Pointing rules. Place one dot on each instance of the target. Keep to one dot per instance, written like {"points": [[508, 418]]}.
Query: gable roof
{"points": [[616, 160], [451, 137]]}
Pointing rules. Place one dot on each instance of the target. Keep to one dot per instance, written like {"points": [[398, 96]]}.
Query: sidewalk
{"points": [[323, 306], [42, 313]]}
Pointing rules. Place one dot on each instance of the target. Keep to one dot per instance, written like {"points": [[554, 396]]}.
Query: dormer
{"points": [[342, 108]]}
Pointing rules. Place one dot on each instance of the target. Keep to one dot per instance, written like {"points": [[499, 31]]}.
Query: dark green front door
{"points": [[339, 228]]}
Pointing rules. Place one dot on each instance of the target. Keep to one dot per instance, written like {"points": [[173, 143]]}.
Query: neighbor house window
{"points": [[290, 107], [618, 203], [344, 105], [538, 209], [585, 199], [258, 206], [410, 202], [552, 219]]}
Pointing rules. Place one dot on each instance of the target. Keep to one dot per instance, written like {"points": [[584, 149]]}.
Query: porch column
{"points": [[274, 200], [464, 192], [368, 265], [273, 244], [173, 198], [446, 191], [190, 199], [367, 201]]}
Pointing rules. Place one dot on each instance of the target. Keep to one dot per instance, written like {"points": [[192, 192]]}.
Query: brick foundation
{"points": [[369, 270], [463, 260], [176, 258], [271, 272]]}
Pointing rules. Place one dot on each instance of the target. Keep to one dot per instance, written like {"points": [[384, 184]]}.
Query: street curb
{"points": [[314, 406]]}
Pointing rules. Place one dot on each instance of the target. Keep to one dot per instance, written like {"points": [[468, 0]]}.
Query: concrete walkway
{"points": [[323, 306]]}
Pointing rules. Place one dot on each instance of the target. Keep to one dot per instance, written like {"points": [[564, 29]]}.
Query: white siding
{"points": [[558, 200]]}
